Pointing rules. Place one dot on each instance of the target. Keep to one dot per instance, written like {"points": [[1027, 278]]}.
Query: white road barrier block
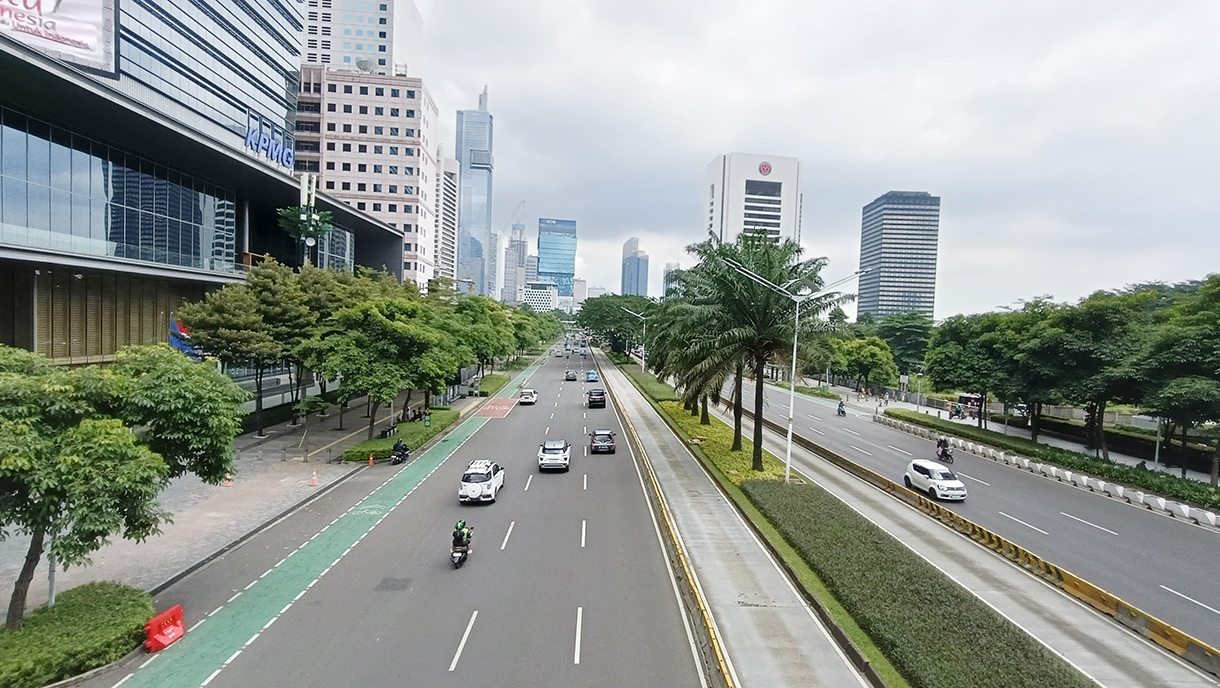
{"points": [[1206, 518], [1179, 510], [1066, 476], [1115, 491], [1081, 480], [1023, 462], [1156, 503], [1097, 485]]}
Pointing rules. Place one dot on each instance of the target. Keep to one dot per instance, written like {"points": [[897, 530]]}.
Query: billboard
{"points": [[81, 32]]}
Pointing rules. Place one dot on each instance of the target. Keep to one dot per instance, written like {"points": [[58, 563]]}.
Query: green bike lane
{"points": [[219, 638]]}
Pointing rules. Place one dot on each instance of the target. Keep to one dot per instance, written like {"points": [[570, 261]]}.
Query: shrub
{"points": [[89, 626], [413, 433], [811, 391], [716, 445], [649, 384], [491, 383], [619, 357], [935, 632], [1163, 484]]}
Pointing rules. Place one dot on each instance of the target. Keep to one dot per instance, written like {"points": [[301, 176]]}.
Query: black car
{"points": [[602, 441], [597, 398]]}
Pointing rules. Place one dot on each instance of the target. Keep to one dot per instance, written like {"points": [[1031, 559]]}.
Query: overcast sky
{"points": [[1073, 145]]}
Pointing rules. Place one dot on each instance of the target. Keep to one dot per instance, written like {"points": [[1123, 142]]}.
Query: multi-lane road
{"points": [[1163, 566], [567, 584]]}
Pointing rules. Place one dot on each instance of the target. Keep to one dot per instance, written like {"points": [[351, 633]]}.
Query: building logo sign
{"points": [[76, 31], [764, 168], [270, 141]]}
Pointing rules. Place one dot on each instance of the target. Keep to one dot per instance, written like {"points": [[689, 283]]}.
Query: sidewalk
{"points": [[271, 474]]}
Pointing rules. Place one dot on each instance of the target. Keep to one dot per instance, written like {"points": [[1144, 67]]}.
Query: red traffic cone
{"points": [[228, 480], [370, 458], [313, 482]]}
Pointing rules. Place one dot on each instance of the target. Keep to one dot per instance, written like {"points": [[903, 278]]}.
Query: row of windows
{"points": [[356, 110], [361, 33], [361, 47], [377, 150], [364, 90], [377, 169], [313, 30], [377, 188]]}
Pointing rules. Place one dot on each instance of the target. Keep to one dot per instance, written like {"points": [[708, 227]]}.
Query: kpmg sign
{"points": [[270, 141]]}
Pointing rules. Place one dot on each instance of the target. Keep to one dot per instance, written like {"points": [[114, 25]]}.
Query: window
{"points": [[393, 169], [377, 150], [347, 88], [377, 207], [347, 186], [347, 148], [364, 90], [381, 21], [308, 126], [361, 148], [406, 209], [330, 165], [394, 93], [347, 167], [307, 106], [393, 150], [410, 94], [408, 190], [347, 128], [393, 131], [347, 108], [408, 152], [393, 208], [381, 48], [331, 107], [379, 91], [393, 188], [330, 126], [376, 188], [408, 171], [381, 62], [410, 113], [381, 35], [757, 188], [410, 132], [331, 88], [360, 206], [379, 110], [379, 130], [364, 129], [382, 7], [364, 109], [330, 146], [361, 186], [313, 30], [361, 167], [330, 185], [376, 169]]}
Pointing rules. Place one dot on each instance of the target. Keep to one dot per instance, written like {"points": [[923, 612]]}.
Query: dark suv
{"points": [[602, 441], [597, 398]]}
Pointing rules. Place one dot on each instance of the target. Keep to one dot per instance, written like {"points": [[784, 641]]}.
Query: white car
{"points": [[481, 482], [935, 479], [528, 396], [554, 454]]}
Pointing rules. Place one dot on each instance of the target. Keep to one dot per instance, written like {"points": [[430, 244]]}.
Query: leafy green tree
{"points": [[907, 335], [967, 353], [604, 317], [869, 361], [302, 224], [285, 310], [85, 451]]}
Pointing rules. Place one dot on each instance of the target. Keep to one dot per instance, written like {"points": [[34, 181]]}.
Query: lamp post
{"points": [[797, 299], [644, 343], [919, 388]]}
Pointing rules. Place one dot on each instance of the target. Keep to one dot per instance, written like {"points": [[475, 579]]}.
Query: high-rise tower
{"points": [[635, 269], [898, 239], [474, 152], [557, 253]]}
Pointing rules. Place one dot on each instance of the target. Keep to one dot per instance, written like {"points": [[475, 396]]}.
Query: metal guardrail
{"points": [[1183, 645]]}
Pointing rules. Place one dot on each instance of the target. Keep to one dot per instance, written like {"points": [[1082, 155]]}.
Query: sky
{"points": [[1073, 145]]}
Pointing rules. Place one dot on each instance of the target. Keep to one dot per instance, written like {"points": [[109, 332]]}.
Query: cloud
{"points": [[1073, 145]]}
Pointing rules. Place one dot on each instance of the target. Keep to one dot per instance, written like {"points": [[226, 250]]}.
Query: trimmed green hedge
{"points": [[811, 391], [1164, 484], [934, 631], [492, 383], [413, 433], [90, 626], [618, 357], [649, 383]]}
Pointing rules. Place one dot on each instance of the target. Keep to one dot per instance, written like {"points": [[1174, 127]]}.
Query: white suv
{"points": [[935, 479], [554, 454], [481, 482], [528, 396]]}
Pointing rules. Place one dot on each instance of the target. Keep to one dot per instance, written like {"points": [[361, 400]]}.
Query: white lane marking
{"points": [[232, 657], [817, 431], [585, 450], [209, 678], [150, 659], [123, 680], [814, 417], [586, 481], [971, 477], [458, 655], [899, 450], [510, 532], [580, 618], [234, 597], [211, 613], [527, 483], [557, 404], [1191, 599], [586, 429], [251, 585], [851, 431], [196, 625], [1023, 523], [1075, 518], [548, 430], [860, 450], [586, 414], [552, 414], [582, 533]]}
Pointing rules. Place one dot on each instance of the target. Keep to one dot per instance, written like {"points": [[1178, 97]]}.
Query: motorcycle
{"points": [[842, 412], [458, 555], [400, 456], [945, 454]]}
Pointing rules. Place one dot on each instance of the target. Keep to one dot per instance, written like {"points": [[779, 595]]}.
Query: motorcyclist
{"points": [[942, 445], [399, 446], [462, 534], [842, 408]]}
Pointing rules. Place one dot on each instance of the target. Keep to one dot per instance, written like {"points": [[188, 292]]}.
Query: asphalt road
{"points": [[567, 584], [1166, 567]]}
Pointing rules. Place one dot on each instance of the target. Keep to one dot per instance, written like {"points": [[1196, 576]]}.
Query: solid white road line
{"points": [[860, 450], [1074, 518], [150, 659], [586, 481], [851, 431], [582, 533], [971, 477], [899, 450], [1023, 523], [817, 431], [510, 532], [1191, 599], [193, 627], [527, 483], [580, 617], [458, 655]]}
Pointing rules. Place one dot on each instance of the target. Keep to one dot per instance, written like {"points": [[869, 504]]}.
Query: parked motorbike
{"points": [[945, 454]]}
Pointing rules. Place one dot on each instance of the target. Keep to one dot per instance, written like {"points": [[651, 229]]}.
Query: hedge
{"points": [[492, 382], [717, 443], [1164, 484], [413, 433], [1127, 439], [90, 626], [934, 631], [811, 391], [649, 383]]}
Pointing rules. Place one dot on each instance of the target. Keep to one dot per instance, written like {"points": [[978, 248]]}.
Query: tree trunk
{"points": [[1216, 463], [373, 418], [1185, 453], [703, 417], [1035, 420], [16, 605], [737, 405], [258, 399], [1101, 430], [406, 408], [694, 407], [342, 408], [759, 363]]}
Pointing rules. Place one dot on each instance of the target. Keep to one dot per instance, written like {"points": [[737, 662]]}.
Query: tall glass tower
{"points": [[474, 146], [557, 253], [898, 239]]}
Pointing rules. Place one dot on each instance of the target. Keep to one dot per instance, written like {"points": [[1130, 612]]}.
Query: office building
{"points": [[130, 188], [543, 297], [531, 268], [369, 137], [557, 253], [754, 194], [474, 152], [493, 265], [898, 239], [350, 35], [445, 236], [515, 255], [667, 278], [580, 292], [635, 269], [595, 292]]}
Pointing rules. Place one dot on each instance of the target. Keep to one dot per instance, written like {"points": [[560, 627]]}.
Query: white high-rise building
{"points": [[756, 194], [515, 255], [351, 38], [493, 265], [580, 291], [444, 250], [543, 297]]}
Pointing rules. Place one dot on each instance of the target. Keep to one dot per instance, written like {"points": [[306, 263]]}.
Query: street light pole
{"points": [[644, 343]]}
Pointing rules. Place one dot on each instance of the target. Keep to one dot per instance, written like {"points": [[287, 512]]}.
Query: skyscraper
{"points": [[531, 268], [445, 237], [515, 255], [635, 268], [363, 40], [898, 239], [557, 253], [755, 194], [474, 152], [667, 276], [493, 265]]}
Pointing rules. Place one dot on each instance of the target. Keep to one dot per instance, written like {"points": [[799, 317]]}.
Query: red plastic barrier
{"points": [[164, 629]]}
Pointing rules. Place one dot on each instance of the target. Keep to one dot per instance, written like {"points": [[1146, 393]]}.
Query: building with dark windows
{"points": [[130, 185], [753, 194], [474, 152], [898, 240], [635, 269], [557, 253], [445, 236]]}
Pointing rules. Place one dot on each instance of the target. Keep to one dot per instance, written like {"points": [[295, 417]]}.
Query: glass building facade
{"points": [[72, 193], [474, 153], [557, 253], [898, 244]]}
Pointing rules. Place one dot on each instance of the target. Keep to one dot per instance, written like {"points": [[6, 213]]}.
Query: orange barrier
{"points": [[164, 629]]}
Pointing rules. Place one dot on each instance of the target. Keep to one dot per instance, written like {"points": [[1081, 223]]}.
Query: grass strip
{"points": [[415, 434], [1164, 484], [935, 632], [492, 383], [90, 626], [810, 391]]}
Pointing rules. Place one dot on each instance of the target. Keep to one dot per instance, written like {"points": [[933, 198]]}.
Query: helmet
{"points": [[460, 525]]}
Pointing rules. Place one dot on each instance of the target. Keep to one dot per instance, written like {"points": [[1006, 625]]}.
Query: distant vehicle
{"points": [[481, 482], [558, 353], [597, 398], [935, 479], [591, 376], [528, 396], [554, 454], [602, 441], [569, 376]]}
